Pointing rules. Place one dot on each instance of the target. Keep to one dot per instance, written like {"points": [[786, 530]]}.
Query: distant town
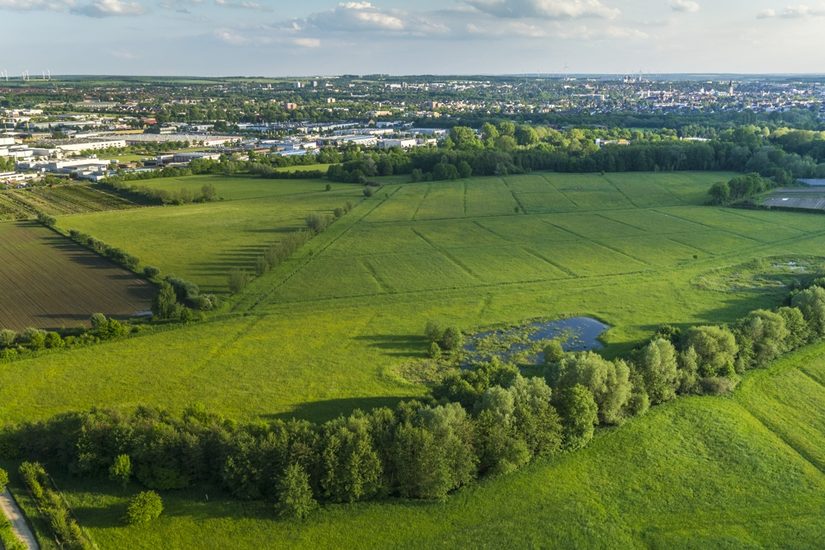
{"points": [[95, 129]]}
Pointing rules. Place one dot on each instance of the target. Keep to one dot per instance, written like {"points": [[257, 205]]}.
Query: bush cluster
{"points": [[115, 254], [142, 193], [14, 344], [51, 504]]}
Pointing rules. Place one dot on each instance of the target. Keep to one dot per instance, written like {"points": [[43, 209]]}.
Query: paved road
{"points": [[9, 508]]}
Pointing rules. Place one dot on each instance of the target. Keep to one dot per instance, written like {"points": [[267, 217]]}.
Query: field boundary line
{"points": [[562, 193], [374, 273], [444, 252], [811, 378], [618, 189], [602, 216], [421, 202], [515, 197], [813, 461], [599, 243], [306, 260], [540, 256], [710, 226], [494, 233]]}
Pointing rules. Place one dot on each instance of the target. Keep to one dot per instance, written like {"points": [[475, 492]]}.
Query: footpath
{"points": [[9, 508]]}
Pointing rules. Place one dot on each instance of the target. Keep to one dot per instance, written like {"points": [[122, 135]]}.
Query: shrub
{"points": [[7, 338], [121, 470], [150, 271], [452, 339], [4, 479], [238, 279], [144, 508], [295, 499]]}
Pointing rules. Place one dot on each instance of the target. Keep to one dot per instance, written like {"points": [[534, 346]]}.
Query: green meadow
{"points": [[204, 242], [703, 472], [339, 326]]}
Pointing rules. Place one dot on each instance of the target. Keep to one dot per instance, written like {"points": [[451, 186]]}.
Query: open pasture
{"points": [[48, 281], [203, 242]]}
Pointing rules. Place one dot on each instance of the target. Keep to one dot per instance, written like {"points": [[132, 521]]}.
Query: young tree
{"points": [[350, 466], [657, 365], [501, 448], [798, 331], [579, 415], [121, 470], [7, 338], [238, 280], [715, 348], [451, 339], [553, 353], [811, 302], [165, 304], [295, 499], [144, 508], [762, 338], [4, 479], [688, 363], [608, 381]]}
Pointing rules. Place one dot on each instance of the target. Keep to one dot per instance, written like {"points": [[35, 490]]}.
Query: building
{"points": [[78, 145], [399, 143]]}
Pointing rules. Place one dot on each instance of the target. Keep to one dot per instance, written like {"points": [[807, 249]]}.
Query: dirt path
{"points": [[9, 508]]}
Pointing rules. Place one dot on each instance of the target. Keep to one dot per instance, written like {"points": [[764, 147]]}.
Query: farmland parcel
{"points": [[50, 282]]}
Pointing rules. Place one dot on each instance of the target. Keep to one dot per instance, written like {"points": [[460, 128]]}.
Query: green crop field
{"points": [[58, 200], [49, 282], [204, 242], [339, 326]]}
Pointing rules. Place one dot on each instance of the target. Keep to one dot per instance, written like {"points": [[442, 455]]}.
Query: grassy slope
{"points": [[697, 473]]}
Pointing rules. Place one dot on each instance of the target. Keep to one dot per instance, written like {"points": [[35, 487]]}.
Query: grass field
{"points": [[50, 282], [339, 326], [60, 200], [204, 242], [741, 472]]}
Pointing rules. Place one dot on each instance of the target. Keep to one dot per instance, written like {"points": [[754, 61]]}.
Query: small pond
{"points": [[525, 343]]}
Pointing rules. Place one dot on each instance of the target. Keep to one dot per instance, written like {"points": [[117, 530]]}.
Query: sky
{"points": [[328, 37]]}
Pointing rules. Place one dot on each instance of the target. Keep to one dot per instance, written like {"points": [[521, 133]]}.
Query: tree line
{"points": [[277, 253], [482, 421]]}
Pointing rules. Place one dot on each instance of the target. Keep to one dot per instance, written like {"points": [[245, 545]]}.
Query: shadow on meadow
{"points": [[398, 345], [321, 411]]}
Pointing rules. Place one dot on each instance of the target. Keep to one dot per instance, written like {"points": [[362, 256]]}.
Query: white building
{"points": [[398, 143], [77, 146]]}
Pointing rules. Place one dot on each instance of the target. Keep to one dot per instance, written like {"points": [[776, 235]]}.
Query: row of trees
{"points": [[738, 189], [278, 252], [115, 254], [51, 504], [152, 195], [14, 344], [480, 421]]}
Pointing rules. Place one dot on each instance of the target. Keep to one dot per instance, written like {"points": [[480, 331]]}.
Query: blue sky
{"points": [[320, 37]]}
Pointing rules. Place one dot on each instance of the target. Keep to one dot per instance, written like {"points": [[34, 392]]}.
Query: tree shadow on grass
{"points": [[321, 411], [397, 345]]}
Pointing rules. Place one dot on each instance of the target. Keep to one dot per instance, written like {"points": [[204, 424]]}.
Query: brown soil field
{"points": [[48, 281]]}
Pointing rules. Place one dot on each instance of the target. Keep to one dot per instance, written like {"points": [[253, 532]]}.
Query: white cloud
{"points": [[109, 8], [792, 12], [242, 4], [688, 6], [545, 9], [97, 8], [307, 42], [27, 5]]}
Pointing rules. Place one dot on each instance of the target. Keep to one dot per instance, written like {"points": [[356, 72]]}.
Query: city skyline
{"points": [[265, 38]]}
